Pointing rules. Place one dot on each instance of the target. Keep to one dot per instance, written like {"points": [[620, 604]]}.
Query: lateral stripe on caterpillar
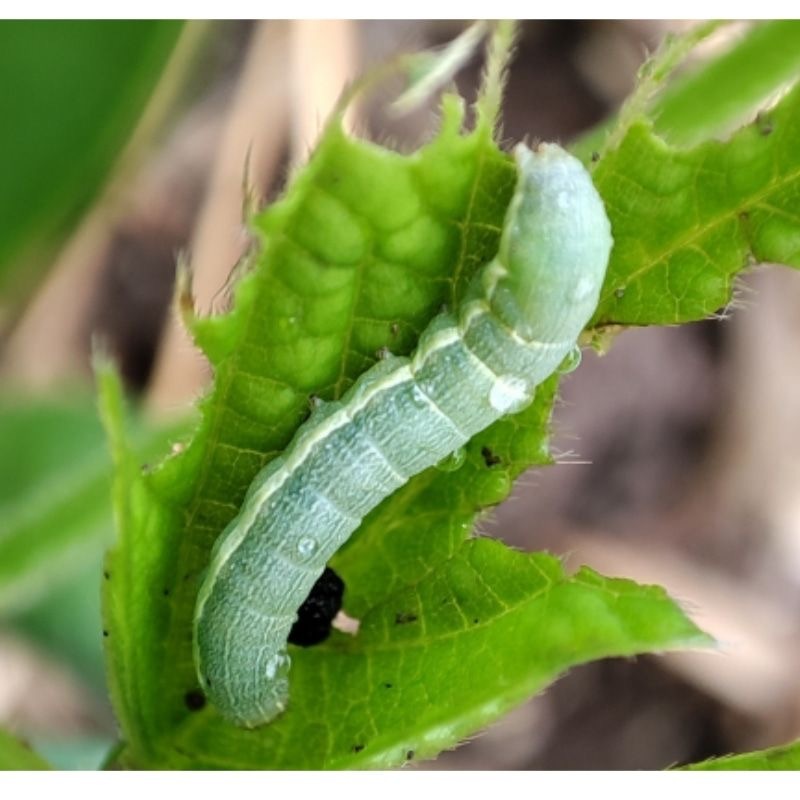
{"points": [[523, 315]]}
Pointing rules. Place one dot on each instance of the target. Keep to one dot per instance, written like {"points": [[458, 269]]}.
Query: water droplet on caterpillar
{"points": [[619, 292], [307, 546], [509, 394], [452, 462], [278, 662], [571, 361], [582, 289]]}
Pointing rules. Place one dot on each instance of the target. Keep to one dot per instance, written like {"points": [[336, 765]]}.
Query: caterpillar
{"points": [[521, 316]]}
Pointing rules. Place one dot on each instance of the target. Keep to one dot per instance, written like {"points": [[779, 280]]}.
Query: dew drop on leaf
{"points": [[454, 461], [571, 361]]}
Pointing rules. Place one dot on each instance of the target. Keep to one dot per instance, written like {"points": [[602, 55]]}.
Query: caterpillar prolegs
{"points": [[522, 316]]}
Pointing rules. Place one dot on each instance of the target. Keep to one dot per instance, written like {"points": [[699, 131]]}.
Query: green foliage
{"points": [[74, 753], [712, 96], [440, 659], [359, 255], [66, 622], [725, 91], [55, 511], [56, 521], [709, 212], [361, 252], [776, 758], [70, 95], [14, 755]]}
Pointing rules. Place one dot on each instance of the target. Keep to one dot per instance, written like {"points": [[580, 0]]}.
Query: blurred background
{"points": [[678, 452]]}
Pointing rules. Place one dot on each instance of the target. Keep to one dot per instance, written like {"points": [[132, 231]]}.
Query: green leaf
{"points": [[56, 520], [55, 487], [712, 97], [66, 622], [720, 95], [360, 254], [76, 753], [776, 758], [55, 483], [685, 222], [441, 659], [15, 755], [70, 95]]}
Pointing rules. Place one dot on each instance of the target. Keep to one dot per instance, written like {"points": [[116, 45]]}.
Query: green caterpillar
{"points": [[523, 315]]}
